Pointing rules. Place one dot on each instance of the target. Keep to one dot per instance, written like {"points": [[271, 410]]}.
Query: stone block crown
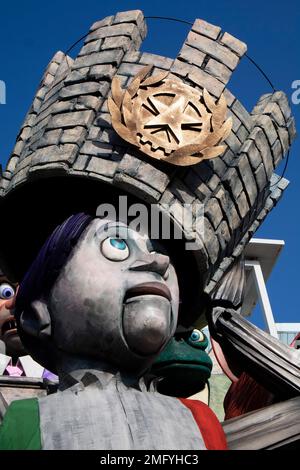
{"points": [[67, 133]]}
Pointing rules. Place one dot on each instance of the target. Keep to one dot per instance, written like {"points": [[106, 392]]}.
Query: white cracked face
{"points": [[116, 298]]}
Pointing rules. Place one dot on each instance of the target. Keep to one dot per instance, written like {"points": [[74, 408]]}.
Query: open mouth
{"points": [[149, 288], [181, 378], [9, 326], [184, 364]]}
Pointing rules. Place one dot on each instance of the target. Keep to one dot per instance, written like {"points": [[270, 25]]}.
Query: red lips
{"points": [[149, 288]]}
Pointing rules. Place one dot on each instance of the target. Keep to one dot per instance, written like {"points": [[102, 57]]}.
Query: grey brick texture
{"points": [[68, 131]]}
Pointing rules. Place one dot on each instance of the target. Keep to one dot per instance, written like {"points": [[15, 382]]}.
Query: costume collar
{"points": [[26, 363]]}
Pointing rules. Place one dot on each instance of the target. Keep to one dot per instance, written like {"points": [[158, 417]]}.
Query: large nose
{"points": [[7, 304], [10, 304], [152, 262]]}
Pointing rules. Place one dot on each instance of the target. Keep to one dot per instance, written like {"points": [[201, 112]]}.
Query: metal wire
{"points": [[75, 43], [168, 19], [261, 71], [178, 20]]}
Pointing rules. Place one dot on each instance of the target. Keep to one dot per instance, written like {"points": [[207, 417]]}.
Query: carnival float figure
{"points": [[20, 375], [183, 368], [96, 306], [14, 359], [9, 341], [100, 299]]}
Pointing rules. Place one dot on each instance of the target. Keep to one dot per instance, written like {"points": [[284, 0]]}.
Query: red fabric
{"points": [[248, 395], [244, 396], [209, 425]]}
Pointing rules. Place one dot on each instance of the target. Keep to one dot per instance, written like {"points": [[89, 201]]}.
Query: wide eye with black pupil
{"points": [[6, 291], [115, 249]]}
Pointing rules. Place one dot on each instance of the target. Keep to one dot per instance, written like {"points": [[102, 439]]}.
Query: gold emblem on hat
{"points": [[169, 120]]}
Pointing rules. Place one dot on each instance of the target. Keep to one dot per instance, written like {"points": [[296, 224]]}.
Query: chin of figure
{"points": [[147, 324]]}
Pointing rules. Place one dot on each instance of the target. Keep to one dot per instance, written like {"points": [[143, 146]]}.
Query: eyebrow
{"points": [[7, 281], [102, 228], [109, 226]]}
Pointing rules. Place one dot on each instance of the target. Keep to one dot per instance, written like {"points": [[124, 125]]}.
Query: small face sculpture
{"points": [[116, 298], [8, 327], [183, 366]]}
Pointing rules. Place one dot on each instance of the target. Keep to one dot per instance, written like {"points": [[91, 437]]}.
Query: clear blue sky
{"points": [[32, 31]]}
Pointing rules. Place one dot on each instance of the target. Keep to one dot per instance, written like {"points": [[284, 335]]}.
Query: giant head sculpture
{"points": [[165, 131], [98, 291]]}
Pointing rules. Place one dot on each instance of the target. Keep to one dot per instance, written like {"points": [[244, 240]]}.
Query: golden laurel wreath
{"points": [[169, 120]]}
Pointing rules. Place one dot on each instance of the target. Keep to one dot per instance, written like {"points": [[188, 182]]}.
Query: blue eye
{"points": [[196, 336], [115, 249], [118, 243], [6, 291]]}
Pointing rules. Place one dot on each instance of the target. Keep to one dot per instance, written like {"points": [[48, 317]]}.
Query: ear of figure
{"points": [[35, 320]]}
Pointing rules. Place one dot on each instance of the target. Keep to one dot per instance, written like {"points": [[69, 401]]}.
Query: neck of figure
{"points": [[73, 369]]}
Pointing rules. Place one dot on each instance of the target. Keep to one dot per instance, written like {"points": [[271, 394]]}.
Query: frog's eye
{"points": [[6, 291], [196, 337], [115, 249]]}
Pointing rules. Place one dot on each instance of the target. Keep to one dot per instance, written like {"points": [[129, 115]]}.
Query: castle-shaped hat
{"points": [[168, 132]]}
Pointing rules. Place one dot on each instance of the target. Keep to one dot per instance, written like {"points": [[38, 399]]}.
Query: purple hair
{"points": [[40, 278], [45, 269]]}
